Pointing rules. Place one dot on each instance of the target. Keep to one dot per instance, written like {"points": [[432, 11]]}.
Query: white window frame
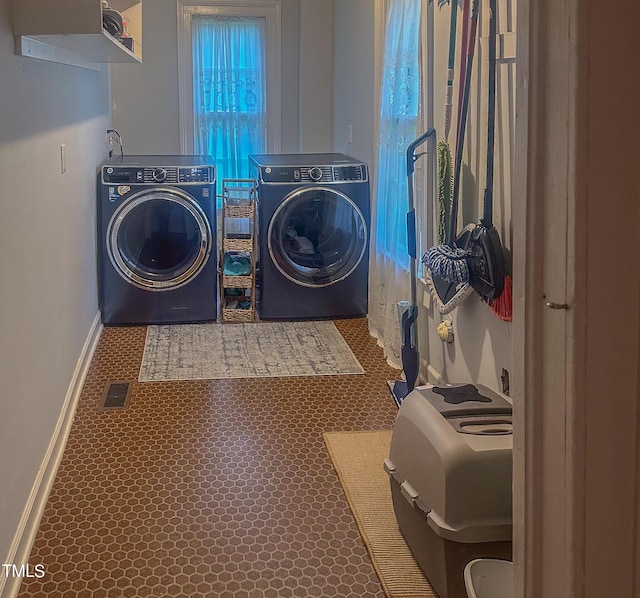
{"points": [[270, 10]]}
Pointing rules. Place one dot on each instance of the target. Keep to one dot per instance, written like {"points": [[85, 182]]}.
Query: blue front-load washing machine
{"points": [[157, 240], [313, 236]]}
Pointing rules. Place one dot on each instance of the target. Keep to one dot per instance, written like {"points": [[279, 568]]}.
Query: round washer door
{"points": [[159, 239], [317, 236]]}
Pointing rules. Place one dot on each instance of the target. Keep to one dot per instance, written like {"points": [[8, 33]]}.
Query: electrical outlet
{"points": [[63, 158], [114, 140], [426, 298]]}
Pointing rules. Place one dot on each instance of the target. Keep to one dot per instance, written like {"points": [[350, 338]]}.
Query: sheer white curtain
{"points": [[229, 90], [399, 118]]}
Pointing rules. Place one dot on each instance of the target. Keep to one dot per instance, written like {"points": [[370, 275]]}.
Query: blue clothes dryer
{"points": [[157, 240], [313, 236]]}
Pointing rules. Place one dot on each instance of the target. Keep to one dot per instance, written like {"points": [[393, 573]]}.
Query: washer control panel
{"points": [[194, 175], [313, 174], [349, 173], [138, 175]]}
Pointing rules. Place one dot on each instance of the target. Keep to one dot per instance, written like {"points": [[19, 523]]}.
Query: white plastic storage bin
{"points": [[450, 473], [489, 578]]}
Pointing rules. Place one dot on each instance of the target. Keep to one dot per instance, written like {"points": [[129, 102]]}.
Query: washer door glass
{"points": [[317, 237], [159, 239]]}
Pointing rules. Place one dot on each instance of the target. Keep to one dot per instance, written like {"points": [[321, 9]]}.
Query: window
{"points": [[399, 126], [229, 99], [229, 66]]}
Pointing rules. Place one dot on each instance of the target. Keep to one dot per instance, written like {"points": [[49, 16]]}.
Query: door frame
{"points": [[576, 301], [270, 10]]}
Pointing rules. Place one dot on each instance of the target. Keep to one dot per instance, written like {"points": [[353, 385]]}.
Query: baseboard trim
{"points": [[433, 375], [30, 522]]}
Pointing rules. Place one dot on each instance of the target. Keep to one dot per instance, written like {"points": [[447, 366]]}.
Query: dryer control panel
{"points": [[349, 173], [166, 174], [313, 174]]}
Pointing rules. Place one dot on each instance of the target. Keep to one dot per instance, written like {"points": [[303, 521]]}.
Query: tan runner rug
{"points": [[358, 459]]}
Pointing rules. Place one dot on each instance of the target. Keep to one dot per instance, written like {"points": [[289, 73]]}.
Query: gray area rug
{"points": [[261, 349]]}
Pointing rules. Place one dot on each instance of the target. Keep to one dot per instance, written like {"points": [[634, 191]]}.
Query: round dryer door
{"points": [[159, 239], [317, 237]]}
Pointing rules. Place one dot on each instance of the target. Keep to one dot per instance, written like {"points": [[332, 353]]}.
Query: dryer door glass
{"points": [[159, 239], [317, 237]]}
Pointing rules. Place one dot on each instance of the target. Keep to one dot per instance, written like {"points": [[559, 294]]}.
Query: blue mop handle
{"points": [[411, 213], [412, 158], [411, 148]]}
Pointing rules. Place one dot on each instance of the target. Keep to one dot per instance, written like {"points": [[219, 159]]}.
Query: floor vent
{"points": [[116, 395]]}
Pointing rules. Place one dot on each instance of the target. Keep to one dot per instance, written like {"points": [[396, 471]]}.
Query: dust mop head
{"points": [[448, 263], [452, 296]]}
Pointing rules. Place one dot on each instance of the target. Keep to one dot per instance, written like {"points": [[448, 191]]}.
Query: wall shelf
{"points": [[70, 32]]}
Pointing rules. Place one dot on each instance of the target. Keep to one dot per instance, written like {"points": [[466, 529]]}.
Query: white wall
{"points": [[48, 297], [145, 96], [316, 74], [354, 88]]}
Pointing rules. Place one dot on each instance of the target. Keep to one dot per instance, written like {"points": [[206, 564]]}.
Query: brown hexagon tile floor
{"points": [[211, 487]]}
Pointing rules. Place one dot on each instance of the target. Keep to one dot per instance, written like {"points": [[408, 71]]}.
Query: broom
{"points": [[447, 263], [502, 306], [445, 165], [486, 256]]}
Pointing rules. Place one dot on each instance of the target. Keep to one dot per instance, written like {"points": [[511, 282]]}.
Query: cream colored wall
{"points": [[48, 298], [482, 343]]}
